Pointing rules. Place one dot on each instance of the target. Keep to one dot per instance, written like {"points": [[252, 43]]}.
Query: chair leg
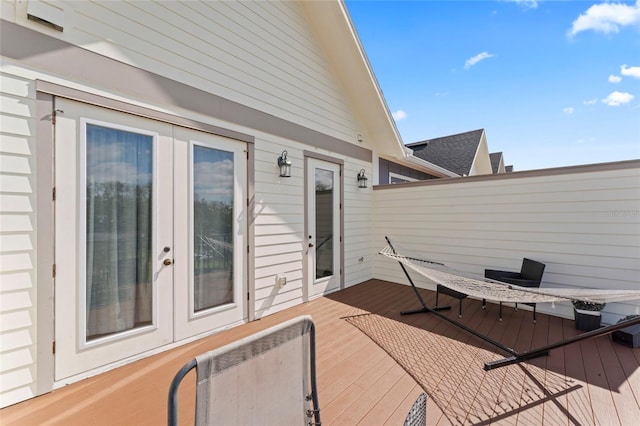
{"points": [[460, 309], [534, 313], [484, 303], [516, 306], [500, 312], [437, 293]]}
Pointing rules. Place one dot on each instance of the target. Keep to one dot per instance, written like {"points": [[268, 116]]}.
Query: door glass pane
{"points": [[324, 223], [213, 192], [119, 230]]}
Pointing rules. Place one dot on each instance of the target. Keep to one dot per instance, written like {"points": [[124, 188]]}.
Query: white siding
{"points": [[279, 225], [358, 216], [584, 226], [259, 54], [17, 240]]}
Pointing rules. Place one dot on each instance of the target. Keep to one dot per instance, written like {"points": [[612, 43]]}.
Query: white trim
{"points": [[399, 176], [408, 152]]}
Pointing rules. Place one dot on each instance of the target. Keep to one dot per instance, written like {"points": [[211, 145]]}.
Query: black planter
{"points": [[587, 320]]}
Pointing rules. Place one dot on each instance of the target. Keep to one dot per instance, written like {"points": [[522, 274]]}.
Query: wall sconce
{"points": [[284, 164], [362, 179]]}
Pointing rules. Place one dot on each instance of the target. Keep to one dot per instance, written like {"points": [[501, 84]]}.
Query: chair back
{"points": [[268, 378], [532, 270], [417, 415]]}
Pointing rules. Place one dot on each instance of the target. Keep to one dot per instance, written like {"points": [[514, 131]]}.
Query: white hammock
{"points": [[485, 288]]}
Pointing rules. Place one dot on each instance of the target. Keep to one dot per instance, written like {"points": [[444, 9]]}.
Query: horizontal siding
{"points": [[279, 212], [585, 227], [17, 239], [358, 262], [259, 54]]}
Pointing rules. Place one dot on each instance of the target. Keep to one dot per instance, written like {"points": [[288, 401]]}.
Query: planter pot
{"points": [[587, 320]]}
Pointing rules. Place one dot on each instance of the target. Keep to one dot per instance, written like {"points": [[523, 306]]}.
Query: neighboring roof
{"points": [[496, 159], [508, 169], [455, 152]]}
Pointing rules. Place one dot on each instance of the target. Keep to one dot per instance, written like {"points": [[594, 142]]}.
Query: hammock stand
{"points": [[515, 356]]}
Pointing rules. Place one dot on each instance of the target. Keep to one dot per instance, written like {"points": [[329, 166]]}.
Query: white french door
{"points": [[131, 274], [323, 227], [210, 218]]}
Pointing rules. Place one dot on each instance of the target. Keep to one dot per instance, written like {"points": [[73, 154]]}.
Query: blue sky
{"points": [[553, 83]]}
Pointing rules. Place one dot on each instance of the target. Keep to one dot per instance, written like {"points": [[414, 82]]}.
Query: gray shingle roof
{"points": [[454, 153], [495, 158]]}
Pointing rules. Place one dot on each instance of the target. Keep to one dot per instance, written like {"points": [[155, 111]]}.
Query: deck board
{"points": [[375, 379]]}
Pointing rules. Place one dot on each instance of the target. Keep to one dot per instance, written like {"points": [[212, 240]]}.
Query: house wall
{"points": [[18, 260], [259, 54], [254, 68], [385, 167], [582, 222], [482, 162]]}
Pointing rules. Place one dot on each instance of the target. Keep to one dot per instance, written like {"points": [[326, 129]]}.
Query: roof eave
{"points": [[408, 152], [357, 74]]}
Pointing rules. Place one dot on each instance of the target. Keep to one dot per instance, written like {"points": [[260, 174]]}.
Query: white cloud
{"points": [[479, 57], [606, 18], [568, 110], [618, 98], [532, 4], [630, 71], [213, 180], [615, 79], [590, 102], [399, 115]]}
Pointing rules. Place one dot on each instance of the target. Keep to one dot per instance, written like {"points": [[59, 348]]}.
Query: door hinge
{"points": [[54, 115], [247, 152], [53, 271], [248, 296], [53, 193], [248, 251], [53, 347]]}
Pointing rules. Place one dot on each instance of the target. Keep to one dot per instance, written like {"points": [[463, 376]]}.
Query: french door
{"points": [[210, 255], [323, 227], [131, 273]]}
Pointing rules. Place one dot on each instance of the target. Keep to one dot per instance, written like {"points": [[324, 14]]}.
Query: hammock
{"points": [[485, 288], [496, 290]]}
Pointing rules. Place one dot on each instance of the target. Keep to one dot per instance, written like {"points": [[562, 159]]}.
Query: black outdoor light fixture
{"points": [[362, 179], [284, 164]]}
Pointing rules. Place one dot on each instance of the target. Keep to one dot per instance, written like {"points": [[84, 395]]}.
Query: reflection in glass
{"points": [[119, 230], [324, 223], [213, 184]]}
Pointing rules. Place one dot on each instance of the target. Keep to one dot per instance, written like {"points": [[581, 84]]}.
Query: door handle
{"points": [[167, 262], [310, 244]]}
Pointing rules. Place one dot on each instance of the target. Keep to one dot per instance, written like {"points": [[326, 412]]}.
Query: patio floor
{"points": [[373, 363]]}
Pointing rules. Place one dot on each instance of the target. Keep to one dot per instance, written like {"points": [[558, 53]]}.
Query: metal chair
{"points": [[530, 275], [417, 415], [449, 292], [266, 378]]}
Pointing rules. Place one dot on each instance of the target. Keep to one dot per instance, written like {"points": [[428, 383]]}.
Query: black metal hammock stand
{"points": [[514, 357]]}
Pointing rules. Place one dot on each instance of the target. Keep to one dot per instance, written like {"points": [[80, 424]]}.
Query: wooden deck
{"points": [[371, 367]]}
